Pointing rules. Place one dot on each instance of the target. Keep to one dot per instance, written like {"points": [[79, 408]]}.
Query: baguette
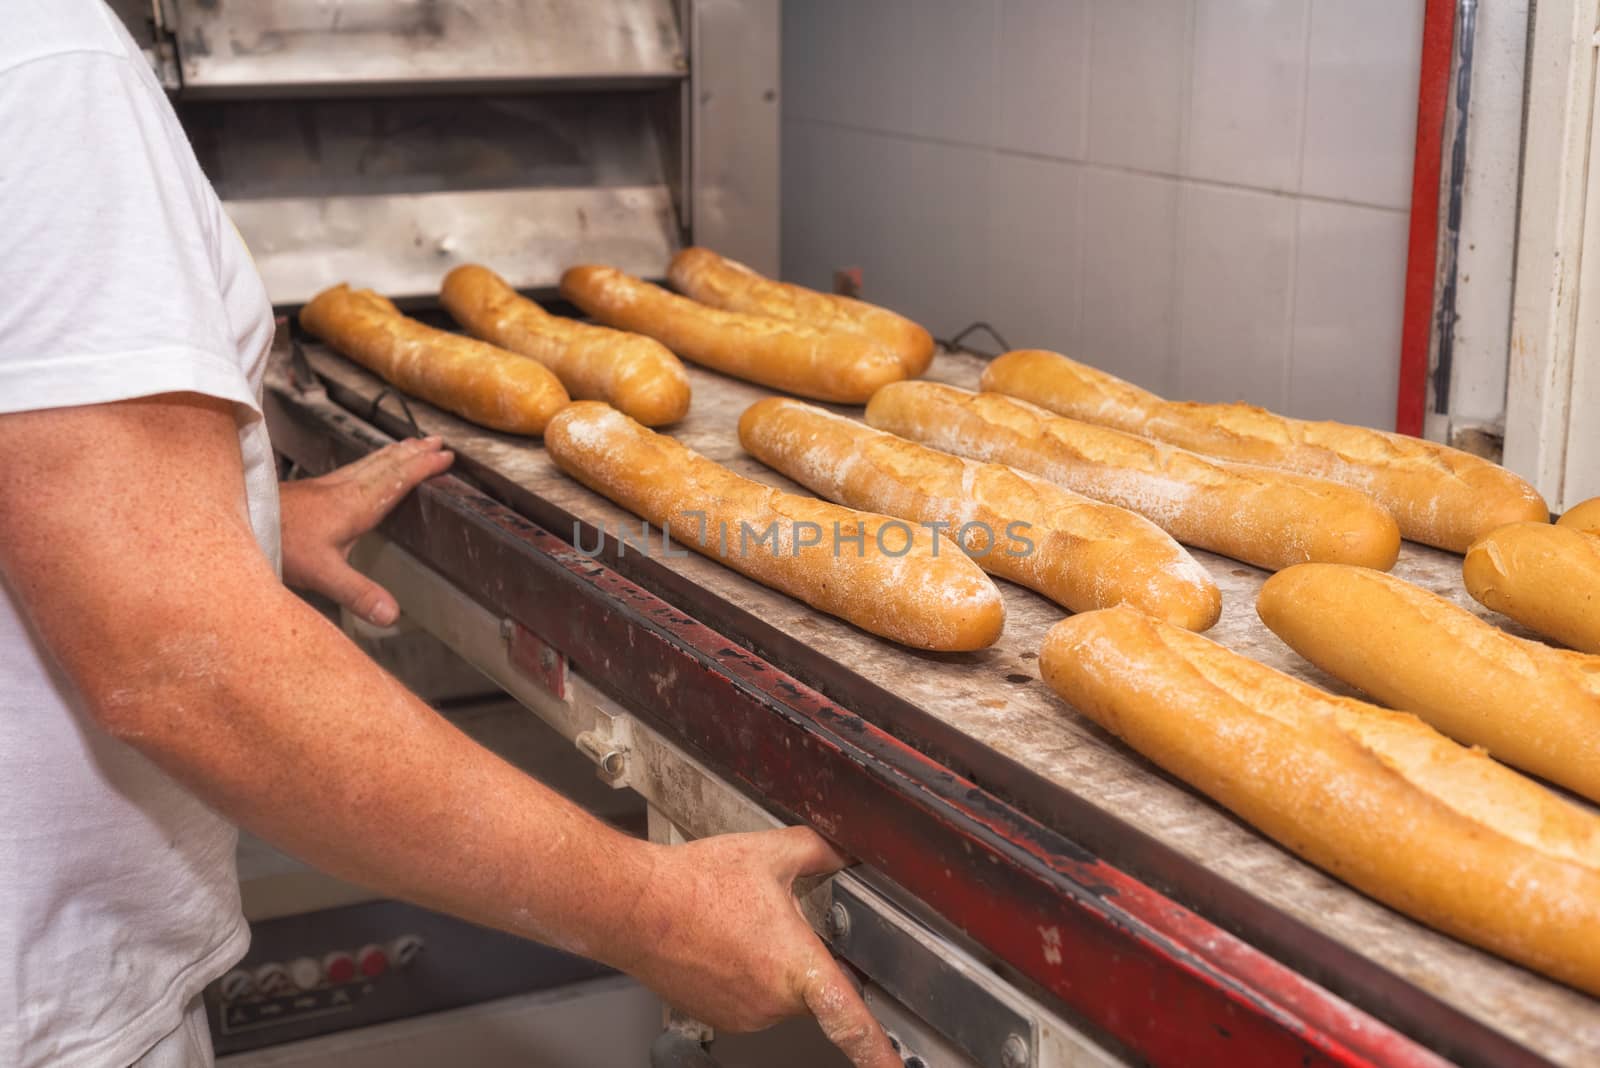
{"points": [[1524, 702], [1080, 553], [1439, 496], [475, 380], [635, 375], [1584, 516], [850, 564], [1268, 518], [1377, 798], [722, 283], [820, 364], [1546, 577]]}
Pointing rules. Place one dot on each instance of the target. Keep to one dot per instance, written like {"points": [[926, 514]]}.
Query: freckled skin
{"points": [[123, 535]]}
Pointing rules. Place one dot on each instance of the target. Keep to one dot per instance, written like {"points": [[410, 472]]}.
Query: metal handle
{"points": [[678, 1049]]}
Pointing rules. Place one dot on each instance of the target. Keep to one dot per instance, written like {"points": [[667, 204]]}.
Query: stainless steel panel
{"points": [[248, 48], [403, 245], [734, 128], [349, 147]]}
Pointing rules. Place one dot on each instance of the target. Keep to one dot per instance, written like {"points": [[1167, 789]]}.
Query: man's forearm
{"points": [[257, 699]]}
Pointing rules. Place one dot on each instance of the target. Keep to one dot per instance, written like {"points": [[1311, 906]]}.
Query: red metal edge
{"points": [[537, 660], [1433, 99]]}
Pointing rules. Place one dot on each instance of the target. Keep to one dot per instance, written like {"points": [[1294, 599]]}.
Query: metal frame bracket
{"points": [[897, 955]]}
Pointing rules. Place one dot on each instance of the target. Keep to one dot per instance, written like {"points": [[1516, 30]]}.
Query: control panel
{"points": [[319, 972]]}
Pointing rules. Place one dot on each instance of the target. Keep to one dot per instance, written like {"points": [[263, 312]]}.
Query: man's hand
{"points": [[720, 935], [323, 517]]}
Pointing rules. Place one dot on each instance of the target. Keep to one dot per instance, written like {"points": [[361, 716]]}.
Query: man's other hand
{"points": [[720, 935], [323, 517]]}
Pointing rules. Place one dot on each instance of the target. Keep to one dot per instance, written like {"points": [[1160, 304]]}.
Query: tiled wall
{"points": [[1207, 197]]}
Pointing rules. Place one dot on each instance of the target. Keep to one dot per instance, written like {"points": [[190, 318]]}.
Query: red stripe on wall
{"points": [[1433, 95]]}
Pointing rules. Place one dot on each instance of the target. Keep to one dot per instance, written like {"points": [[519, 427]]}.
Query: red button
{"points": [[339, 967], [372, 960]]}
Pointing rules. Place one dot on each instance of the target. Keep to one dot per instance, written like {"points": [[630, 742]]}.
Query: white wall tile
{"points": [[1130, 229], [1035, 253], [1236, 258], [910, 214], [1043, 67], [1138, 66], [919, 67], [1246, 92], [1349, 300], [1361, 104]]}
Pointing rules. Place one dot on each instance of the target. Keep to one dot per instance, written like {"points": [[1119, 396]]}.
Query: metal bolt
{"points": [[838, 922], [547, 658], [1014, 1054]]}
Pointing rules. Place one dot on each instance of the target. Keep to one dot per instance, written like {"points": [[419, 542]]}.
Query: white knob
{"points": [[404, 950], [306, 973], [273, 980], [235, 985]]}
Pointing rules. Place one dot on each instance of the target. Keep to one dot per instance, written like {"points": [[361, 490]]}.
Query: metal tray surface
{"points": [[988, 715]]}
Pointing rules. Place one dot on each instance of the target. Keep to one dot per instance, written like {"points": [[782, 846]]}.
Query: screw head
{"points": [[838, 922], [1014, 1054]]}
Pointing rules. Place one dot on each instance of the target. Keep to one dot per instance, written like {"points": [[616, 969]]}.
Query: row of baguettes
{"points": [[834, 348], [1081, 552], [815, 344], [1323, 775]]}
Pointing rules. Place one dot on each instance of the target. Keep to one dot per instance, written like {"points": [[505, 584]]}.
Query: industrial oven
{"points": [[1031, 894]]}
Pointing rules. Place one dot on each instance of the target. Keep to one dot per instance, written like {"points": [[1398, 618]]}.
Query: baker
{"points": [[159, 684]]}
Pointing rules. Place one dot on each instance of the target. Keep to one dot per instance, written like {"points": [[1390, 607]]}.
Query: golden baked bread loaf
{"points": [[636, 375], [892, 578], [1268, 518], [1545, 577], [1080, 553], [1439, 496], [1524, 702], [722, 283], [473, 379], [1377, 798], [821, 364], [1584, 516]]}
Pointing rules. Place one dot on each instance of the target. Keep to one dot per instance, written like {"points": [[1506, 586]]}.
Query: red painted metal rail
{"points": [[1162, 980], [1433, 101]]}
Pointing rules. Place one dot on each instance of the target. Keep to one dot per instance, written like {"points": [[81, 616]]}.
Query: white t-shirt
{"points": [[120, 277]]}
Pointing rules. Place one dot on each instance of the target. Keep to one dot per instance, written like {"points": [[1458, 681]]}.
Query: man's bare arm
{"points": [[123, 533]]}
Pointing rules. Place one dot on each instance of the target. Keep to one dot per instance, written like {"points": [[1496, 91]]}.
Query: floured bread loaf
{"points": [[1080, 553], [722, 283], [638, 376], [1268, 518], [1524, 702], [1439, 496], [1377, 798], [821, 364], [473, 379], [1584, 517], [1547, 577], [886, 576]]}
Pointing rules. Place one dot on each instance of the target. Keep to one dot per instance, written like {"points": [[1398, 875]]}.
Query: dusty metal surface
{"points": [[404, 245], [303, 46], [1361, 949]]}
